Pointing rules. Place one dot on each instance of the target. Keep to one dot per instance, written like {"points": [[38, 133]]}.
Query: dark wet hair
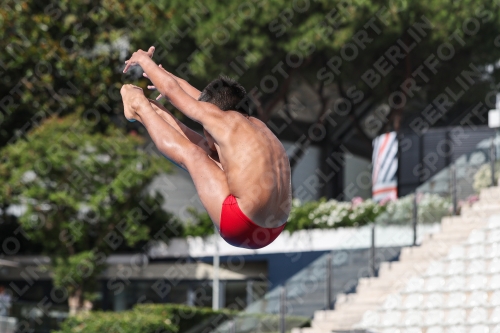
{"points": [[225, 93]]}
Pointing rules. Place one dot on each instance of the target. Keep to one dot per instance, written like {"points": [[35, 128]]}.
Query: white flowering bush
{"points": [[397, 211], [482, 178], [299, 217], [329, 214], [332, 214], [431, 208]]}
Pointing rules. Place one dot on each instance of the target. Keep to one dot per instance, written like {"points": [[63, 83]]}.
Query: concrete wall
{"points": [[304, 169], [357, 177]]}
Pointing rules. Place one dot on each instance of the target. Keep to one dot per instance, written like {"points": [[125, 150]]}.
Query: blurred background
{"points": [[387, 111]]}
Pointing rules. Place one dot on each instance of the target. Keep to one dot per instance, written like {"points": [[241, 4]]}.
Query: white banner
{"points": [[385, 167]]}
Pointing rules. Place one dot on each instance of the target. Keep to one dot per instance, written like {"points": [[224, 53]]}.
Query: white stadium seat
{"points": [[434, 317], [456, 267], [415, 284], [477, 298], [412, 330], [435, 283], [476, 266], [391, 330], [494, 266], [370, 319], [392, 302], [435, 268], [493, 251], [433, 301], [495, 298], [455, 283], [412, 318], [494, 222], [391, 318], [413, 301], [494, 236], [476, 237], [455, 317], [456, 252], [495, 316], [479, 329], [435, 329], [494, 283], [456, 329], [477, 316], [475, 251], [477, 282], [456, 300]]}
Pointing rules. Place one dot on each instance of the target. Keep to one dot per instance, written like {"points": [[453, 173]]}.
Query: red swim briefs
{"points": [[238, 230]]}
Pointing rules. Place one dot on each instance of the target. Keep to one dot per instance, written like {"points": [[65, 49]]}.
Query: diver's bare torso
{"points": [[257, 170]]}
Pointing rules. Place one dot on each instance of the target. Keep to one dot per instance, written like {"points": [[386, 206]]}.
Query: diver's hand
{"points": [[138, 57]]}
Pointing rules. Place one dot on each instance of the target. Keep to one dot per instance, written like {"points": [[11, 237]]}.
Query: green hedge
{"points": [[186, 317], [145, 318]]}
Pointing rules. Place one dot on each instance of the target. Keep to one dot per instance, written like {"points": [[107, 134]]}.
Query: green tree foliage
{"points": [[273, 46], [61, 57], [83, 195], [199, 225], [65, 56]]}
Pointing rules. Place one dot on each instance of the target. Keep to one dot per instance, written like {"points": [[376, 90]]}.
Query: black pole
{"points": [[415, 218], [282, 309], [454, 188], [492, 162], [329, 274], [372, 252]]}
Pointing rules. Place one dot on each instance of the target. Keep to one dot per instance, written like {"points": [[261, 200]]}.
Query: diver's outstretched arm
{"points": [[188, 88]]}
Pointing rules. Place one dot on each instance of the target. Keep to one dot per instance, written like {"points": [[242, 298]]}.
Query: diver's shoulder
{"points": [[257, 121]]}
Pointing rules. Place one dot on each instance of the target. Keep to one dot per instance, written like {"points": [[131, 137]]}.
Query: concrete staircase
{"points": [[371, 293]]}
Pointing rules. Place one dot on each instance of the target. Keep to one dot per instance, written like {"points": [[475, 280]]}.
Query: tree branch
{"points": [[300, 151], [352, 113], [260, 110], [265, 113]]}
